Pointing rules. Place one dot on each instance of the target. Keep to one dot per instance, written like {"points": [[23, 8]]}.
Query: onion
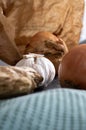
{"points": [[46, 43], [72, 69]]}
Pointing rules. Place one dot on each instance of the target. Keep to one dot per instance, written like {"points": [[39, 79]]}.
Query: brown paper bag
{"points": [[63, 18], [8, 50], [73, 23]]}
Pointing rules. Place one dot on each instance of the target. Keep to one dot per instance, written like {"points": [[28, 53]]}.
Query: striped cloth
{"points": [[55, 109]]}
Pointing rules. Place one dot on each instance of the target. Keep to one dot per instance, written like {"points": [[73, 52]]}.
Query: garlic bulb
{"points": [[41, 64]]}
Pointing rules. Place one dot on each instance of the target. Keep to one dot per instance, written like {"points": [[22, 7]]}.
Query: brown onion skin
{"points": [[51, 46], [72, 69]]}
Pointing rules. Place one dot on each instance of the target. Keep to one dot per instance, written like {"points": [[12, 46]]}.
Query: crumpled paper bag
{"points": [[62, 18], [8, 50]]}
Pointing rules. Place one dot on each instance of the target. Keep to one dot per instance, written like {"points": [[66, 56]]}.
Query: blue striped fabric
{"points": [[57, 109]]}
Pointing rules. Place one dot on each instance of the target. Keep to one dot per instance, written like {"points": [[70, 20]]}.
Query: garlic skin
{"points": [[41, 64]]}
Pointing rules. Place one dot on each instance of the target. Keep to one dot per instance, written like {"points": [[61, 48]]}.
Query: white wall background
{"points": [[3, 63]]}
